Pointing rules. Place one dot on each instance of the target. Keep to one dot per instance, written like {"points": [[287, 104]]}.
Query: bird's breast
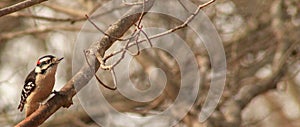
{"points": [[44, 89]]}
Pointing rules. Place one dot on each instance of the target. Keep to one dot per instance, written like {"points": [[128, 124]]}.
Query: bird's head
{"points": [[47, 63]]}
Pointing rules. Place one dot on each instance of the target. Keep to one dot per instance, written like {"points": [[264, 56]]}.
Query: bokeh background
{"points": [[260, 37]]}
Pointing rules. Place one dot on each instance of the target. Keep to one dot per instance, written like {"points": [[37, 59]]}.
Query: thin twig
{"points": [[137, 46], [114, 77], [147, 38], [188, 20], [111, 55], [98, 79], [183, 6], [138, 29], [50, 19], [141, 16], [54, 19], [135, 34], [19, 6], [109, 67], [42, 29], [119, 39]]}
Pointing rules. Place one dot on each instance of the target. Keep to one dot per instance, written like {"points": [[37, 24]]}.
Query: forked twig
{"points": [[147, 38], [135, 35], [109, 67], [137, 46], [111, 55], [188, 20], [98, 79]]}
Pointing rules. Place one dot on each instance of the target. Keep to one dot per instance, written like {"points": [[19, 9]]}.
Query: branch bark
{"points": [[19, 6], [86, 73]]}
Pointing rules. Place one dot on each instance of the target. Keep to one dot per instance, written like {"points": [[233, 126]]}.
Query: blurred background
{"points": [[260, 37]]}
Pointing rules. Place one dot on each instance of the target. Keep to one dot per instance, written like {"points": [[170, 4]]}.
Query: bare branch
{"points": [[70, 19], [19, 6], [52, 19], [5, 36]]}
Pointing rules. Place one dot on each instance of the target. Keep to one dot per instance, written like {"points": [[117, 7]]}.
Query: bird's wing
{"points": [[29, 86]]}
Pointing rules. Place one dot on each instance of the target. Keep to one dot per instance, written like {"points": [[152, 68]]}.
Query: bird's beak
{"points": [[58, 60]]}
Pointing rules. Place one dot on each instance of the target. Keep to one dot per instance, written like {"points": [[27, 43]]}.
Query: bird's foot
{"points": [[58, 93]]}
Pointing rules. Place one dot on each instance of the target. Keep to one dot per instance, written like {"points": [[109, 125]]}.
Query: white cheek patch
{"points": [[38, 70]]}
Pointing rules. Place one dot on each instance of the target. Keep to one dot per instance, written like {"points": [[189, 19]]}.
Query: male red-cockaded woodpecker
{"points": [[39, 84]]}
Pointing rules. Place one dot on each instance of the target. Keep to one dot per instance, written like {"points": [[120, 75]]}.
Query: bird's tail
{"points": [[21, 106]]}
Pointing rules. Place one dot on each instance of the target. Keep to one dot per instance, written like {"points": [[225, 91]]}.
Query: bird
{"points": [[39, 84]]}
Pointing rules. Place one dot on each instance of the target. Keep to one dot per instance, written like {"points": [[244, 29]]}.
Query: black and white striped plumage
{"points": [[27, 89], [39, 84]]}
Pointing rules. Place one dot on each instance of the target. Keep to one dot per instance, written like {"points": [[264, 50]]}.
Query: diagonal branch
{"points": [[19, 6], [85, 74]]}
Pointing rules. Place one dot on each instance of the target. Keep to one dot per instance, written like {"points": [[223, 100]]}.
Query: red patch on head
{"points": [[38, 62]]}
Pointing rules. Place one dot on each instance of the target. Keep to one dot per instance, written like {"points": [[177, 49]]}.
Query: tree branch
{"points": [[86, 73], [19, 6], [42, 29]]}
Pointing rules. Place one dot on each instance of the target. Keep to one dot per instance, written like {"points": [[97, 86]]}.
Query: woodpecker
{"points": [[39, 84]]}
